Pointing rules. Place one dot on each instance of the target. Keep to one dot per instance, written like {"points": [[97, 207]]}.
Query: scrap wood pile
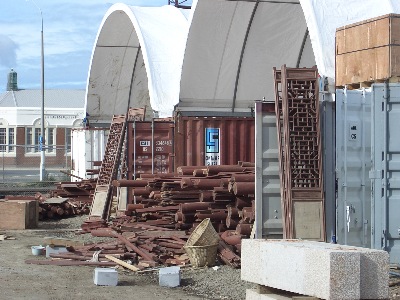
{"points": [[179, 202], [67, 199], [141, 248]]}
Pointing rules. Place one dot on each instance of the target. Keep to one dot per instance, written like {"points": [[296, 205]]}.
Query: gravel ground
{"points": [[21, 281]]}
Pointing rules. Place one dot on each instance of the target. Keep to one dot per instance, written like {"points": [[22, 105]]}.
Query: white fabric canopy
{"points": [[136, 61], [233, 45], [216, 58]]}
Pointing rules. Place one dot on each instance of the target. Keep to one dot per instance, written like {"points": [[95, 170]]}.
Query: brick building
{"points": [[20, 125]]}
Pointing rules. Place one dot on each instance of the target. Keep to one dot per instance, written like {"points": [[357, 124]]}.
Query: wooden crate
{"points": [[368, 51], [19, 214]]}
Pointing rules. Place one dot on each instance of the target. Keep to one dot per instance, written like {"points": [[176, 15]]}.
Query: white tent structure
{"points": [[233, 45], [136, 61], [220, 60]]}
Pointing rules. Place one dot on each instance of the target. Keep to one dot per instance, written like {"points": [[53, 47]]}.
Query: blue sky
{"points": [[70, 29]]}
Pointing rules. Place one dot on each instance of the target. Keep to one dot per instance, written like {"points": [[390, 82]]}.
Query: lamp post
{"points": [[42, 140]]}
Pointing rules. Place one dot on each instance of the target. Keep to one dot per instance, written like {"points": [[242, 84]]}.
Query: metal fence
{"points": [[20, 168]]}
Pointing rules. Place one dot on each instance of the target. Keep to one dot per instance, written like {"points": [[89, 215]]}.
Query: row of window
{"points": [[32, 140]]}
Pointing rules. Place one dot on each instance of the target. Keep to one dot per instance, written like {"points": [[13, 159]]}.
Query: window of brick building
{"points": [[7, 139], [33, 143]]}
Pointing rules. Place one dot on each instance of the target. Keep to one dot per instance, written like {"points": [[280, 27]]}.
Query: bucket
{"points": [[37, 250]]}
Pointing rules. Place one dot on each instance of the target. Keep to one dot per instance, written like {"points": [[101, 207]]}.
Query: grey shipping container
{"points": [[268, 198], [385, 171], [353, 163], [268, 222], [328, 127]]}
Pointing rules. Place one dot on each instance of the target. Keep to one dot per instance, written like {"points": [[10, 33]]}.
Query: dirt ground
{"points": [[19, 280]]}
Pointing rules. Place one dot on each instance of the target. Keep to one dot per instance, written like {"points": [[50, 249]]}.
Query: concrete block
{"points": [[55, 250], [169, 276], [105, 276], [374, 274], [322, 270]]}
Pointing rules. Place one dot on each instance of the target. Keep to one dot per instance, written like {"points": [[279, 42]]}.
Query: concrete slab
{"points": [[322, 270], [55, 250]]}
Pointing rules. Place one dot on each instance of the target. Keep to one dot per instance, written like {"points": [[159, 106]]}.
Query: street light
{"points": [[42, 140]]}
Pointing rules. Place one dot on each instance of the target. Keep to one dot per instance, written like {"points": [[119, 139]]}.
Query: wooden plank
{"points": [[122, 263], [394, 61], [367, 65], [370, 34]]}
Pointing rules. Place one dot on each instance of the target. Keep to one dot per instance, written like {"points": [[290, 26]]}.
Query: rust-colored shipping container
{"points": [[200, 141], [149, 147]]}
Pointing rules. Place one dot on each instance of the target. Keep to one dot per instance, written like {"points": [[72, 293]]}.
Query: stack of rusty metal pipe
{"points": [[63, 210], [77, 195], [225, 194]]}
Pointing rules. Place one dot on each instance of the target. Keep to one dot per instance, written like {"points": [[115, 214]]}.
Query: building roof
{"points": [[52, 98]]}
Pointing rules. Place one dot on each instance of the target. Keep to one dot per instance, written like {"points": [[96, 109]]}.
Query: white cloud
{"points": [[8, 49]]}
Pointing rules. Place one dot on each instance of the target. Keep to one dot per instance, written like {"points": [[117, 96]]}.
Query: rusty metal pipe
{"points": [[193, 206], [139, 251], [129, 183], [244, 188]]}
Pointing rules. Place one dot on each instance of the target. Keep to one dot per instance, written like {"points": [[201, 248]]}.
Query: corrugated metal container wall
{"points": [[87, 146], [385, 171], [268, 188], [353, 163], [150, 147], [203, 141], [328, 129]]}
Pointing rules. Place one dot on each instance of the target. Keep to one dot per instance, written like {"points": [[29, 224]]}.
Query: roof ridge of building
{"points": [[14, 98]]}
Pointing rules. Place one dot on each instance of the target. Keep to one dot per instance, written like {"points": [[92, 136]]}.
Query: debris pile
{"points": [[179, 202]]}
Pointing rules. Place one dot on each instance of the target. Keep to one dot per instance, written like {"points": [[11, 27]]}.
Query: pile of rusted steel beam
{"points": [[300, 154], [66, 199], [179, 202], [56, 207], [79, 190]]}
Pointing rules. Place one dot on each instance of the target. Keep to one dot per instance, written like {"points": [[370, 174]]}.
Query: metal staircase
{"points": [[109, 168]]}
